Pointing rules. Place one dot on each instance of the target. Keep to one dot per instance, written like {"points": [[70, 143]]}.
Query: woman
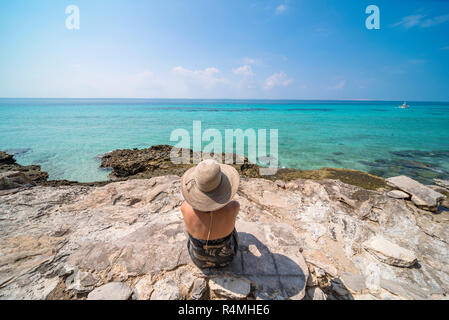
{"points": [[209, 213]]}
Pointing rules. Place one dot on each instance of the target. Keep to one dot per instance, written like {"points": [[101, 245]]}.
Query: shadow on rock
{"points": [[273, 275]]}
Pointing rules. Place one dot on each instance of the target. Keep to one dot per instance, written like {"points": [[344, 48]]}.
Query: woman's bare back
{"points": [[223, 221]]}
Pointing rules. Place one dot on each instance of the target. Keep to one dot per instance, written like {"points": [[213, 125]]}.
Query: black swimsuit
{"points": [[217, 253]]}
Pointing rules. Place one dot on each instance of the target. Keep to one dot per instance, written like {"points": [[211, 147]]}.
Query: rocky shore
{"points": [[320, 234]]}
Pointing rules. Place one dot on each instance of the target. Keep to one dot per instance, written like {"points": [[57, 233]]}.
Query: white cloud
{"points": [[409, 21], [435, 21], [419, 20], [277, 80], [243, 70], [445, 48], [207, 77], [281, 8]]}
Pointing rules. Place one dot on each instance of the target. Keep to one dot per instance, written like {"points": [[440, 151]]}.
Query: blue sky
{"points": [[236, 49]]}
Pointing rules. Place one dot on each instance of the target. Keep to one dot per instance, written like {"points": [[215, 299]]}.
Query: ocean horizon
{"points": [[67, 136]]}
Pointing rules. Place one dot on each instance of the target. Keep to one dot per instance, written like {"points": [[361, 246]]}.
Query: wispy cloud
{"points": [[421, 21], [435, 21], [277, 80], [245, 70], [207, 77], [445, 48], [281, 9], [409, 21]]}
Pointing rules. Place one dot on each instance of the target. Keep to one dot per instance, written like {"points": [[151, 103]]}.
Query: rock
{"points": [[69, 239], [111, 291], [33, 172], [338, 288], [320, 272], [403, 290], [354, 282], [81, 281], [199, 289], [315, 293], [14, 179], [143, 289], [156, 161], [280, 184], [398, 194], [166, 289], [364, 297], [442, 183], [422, 196], [6, 158], [389, 252], [229, 287]]}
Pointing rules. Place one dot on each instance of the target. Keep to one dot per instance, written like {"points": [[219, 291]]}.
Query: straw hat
{"points": [[210, 185]]}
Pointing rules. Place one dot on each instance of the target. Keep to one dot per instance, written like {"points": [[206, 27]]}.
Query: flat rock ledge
{"points": [[389, 252], [303, 240], [422, 196]]}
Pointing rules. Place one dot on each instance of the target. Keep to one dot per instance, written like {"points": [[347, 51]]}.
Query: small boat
{"points": [[404, 106]]}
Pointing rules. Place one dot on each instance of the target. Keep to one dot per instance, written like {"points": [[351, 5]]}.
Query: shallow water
{"points": [[66, 136]]}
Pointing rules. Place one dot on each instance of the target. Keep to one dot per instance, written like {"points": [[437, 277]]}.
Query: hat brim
{"points": [[215, 199]]}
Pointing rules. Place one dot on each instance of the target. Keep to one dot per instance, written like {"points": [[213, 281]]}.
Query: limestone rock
{"points": [[354, 282], [315, 293], [166, 289], [280, 184], [6, 158], [143, 289], [389, 252], [73, 238], [403, 290], [14, 179], [422, 196], [199, 289], [398, 194], [442, 183], [111, 291], [229, 287]]}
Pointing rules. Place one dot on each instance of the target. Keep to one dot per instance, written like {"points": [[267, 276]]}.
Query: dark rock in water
{"points": [[419, 153], [14, 179], [155, 161], [33, 172], [6, 158], [338, 153], [336, 161], [422, 166]]}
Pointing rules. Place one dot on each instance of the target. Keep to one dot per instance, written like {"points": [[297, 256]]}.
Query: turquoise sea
{"points": [[67, 136]]}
